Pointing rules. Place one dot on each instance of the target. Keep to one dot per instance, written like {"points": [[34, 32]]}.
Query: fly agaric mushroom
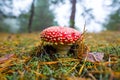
{"points": [[61, 38]]}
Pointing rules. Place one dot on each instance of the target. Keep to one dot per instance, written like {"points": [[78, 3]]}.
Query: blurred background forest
{"points": [[17, 16]]}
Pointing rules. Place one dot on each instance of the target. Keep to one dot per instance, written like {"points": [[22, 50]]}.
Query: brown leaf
{"points": [[94, 56], [6, 57]]}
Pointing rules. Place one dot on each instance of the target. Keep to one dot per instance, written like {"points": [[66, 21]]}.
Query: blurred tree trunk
{"points": [[72, 16], [31, 17]]}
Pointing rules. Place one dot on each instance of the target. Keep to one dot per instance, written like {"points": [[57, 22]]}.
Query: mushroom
{"points": [[61, 38]]}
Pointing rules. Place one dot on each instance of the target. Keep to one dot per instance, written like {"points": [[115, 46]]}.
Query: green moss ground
{"points": [[27, 59]]}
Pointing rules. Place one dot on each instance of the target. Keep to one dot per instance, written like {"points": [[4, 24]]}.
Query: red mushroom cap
{"points": [[60, 35]]}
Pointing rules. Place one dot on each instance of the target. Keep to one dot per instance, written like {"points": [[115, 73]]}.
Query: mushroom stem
{"points": [[62, 50]]}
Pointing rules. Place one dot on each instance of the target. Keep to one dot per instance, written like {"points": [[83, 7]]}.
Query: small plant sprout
{"points": [[61, 38]]}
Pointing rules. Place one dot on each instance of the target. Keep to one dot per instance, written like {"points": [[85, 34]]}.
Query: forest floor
{"points": [[22, 57]]}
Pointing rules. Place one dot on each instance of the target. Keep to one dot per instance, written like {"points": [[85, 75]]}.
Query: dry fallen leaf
{"points": [[6, 57], [94, 56]]}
